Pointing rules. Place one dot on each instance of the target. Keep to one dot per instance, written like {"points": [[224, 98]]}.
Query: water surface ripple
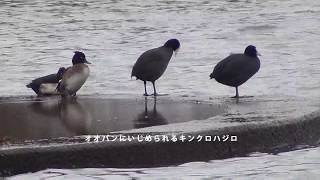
{"points": [[39, 36]]}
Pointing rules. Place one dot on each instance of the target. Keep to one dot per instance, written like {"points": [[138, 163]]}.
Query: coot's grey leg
{"points": [[154, 89], [237, 94], [145, 88]]}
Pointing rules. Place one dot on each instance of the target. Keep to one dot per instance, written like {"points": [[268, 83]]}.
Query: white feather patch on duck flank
{"points": [[49, 88]]}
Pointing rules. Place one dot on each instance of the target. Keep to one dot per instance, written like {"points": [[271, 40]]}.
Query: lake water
{"points": [[300, 164], [39, 36]]}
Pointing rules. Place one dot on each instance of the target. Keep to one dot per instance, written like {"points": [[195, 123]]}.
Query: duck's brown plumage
{"points": [[74, 78]]}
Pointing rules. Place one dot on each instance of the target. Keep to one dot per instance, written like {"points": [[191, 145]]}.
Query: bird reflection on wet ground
{"points": [[150, 118], [74, 116], [50, 118]]}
